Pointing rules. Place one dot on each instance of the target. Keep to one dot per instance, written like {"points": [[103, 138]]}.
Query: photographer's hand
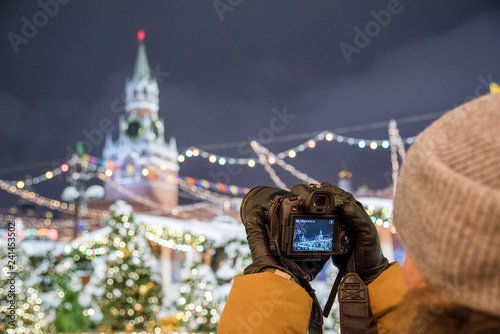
{"points": [[258, 241], [370, 262], [263, 259]]}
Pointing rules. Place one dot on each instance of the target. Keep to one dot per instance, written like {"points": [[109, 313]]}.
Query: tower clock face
{"points": [[133, 129]]}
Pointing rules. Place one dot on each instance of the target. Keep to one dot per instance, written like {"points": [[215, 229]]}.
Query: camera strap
{"points": [[316, 319], [333, 294], [354, 303]]}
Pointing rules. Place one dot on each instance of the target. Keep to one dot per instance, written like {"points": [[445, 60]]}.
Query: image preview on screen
{"points": [[312, 235]]}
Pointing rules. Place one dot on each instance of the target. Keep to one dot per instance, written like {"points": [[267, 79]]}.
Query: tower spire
{"points": [[141, 142], [141, 69]]}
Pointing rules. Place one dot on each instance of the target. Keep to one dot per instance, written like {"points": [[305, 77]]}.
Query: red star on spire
{"points": [[140, 35]]}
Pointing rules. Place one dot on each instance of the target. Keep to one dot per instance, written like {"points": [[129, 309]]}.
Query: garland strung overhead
{"points": [[268, 158], [48, 175], [291, 152], [50, 203], [199, 188]]}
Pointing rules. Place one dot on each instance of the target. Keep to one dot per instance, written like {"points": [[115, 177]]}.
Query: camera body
{"points": [[303, 224]]}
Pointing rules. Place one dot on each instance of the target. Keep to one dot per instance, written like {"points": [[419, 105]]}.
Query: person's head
{"points": [[447, 210]]}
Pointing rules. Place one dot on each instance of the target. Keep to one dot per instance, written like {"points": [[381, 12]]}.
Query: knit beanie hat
{"points": [[447, 204]]}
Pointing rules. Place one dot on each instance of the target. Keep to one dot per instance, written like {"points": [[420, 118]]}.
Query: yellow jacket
{"points": [[268, 303]]}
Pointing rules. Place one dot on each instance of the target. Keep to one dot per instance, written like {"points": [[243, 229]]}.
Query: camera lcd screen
{"points": [[310, 234]]}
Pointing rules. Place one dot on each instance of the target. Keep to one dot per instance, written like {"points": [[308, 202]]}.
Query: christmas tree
{"points": [[236, 258], [59, 286], [70, 314], [20, 298], [198, 309], [132, 293]]}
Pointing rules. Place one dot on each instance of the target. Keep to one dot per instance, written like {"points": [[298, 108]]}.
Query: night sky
{"points": [[222, 74]]}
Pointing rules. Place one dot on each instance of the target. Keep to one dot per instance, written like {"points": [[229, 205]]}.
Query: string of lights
{"points": [[50, 203], [292, 152], [277, 181], [48, 175], [207, 195], [261, 153], [37, 199], [219, 187], [201, 183], [272, 159], [95, 163], [194, 186], [395, 142], [213, 158], [32, 221]]}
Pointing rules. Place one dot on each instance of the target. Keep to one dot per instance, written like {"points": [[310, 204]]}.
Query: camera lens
{"points": [[319, 200], [262, 196]]}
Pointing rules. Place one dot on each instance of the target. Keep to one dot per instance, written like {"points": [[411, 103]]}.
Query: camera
{"points": [[303, 223]]}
